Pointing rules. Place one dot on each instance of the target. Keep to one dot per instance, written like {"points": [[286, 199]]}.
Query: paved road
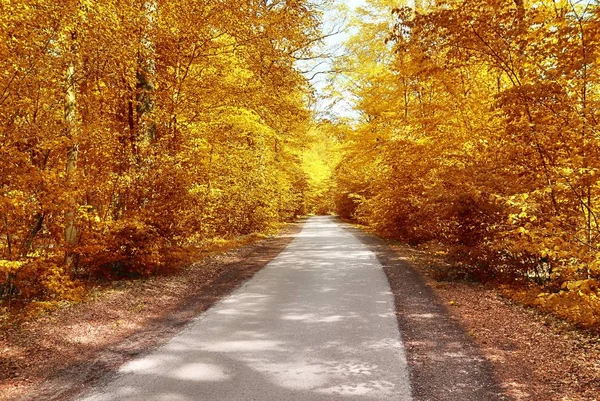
{"points": [[317, 323]]}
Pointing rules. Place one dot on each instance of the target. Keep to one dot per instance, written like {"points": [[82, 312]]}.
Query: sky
{"points": [[333, 46]]}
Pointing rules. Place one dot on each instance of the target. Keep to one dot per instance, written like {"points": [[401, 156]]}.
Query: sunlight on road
{"points": [[318, 323]]}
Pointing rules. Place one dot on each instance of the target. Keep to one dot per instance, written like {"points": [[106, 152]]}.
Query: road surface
{"points": [[317, 323]]}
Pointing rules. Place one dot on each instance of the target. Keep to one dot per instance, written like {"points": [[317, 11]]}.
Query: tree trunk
{"points": [[37, 227], [8, 238], [71, 234]]}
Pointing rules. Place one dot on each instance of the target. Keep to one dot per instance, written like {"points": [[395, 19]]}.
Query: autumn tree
{"points": [[477, 131], [132, 128]]}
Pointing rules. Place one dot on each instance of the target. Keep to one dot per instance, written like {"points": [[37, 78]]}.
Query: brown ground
{"points": [[534, 356], [57, 355]]}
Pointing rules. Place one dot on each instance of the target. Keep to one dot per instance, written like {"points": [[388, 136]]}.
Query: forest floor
{"points": [[58, 354], [534, 355]]}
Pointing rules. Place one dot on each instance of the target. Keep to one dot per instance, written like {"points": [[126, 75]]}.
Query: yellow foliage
{"points": [[10, 266], [59, 285], [319, 161], [128, 128], [475, 129]]}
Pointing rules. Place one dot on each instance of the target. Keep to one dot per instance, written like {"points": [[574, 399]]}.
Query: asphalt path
{"points": [[317, 323]]}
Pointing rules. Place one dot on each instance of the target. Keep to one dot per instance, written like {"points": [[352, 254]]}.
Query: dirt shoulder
{"points": [[528, 355], [56, 356], [534, 355]]}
